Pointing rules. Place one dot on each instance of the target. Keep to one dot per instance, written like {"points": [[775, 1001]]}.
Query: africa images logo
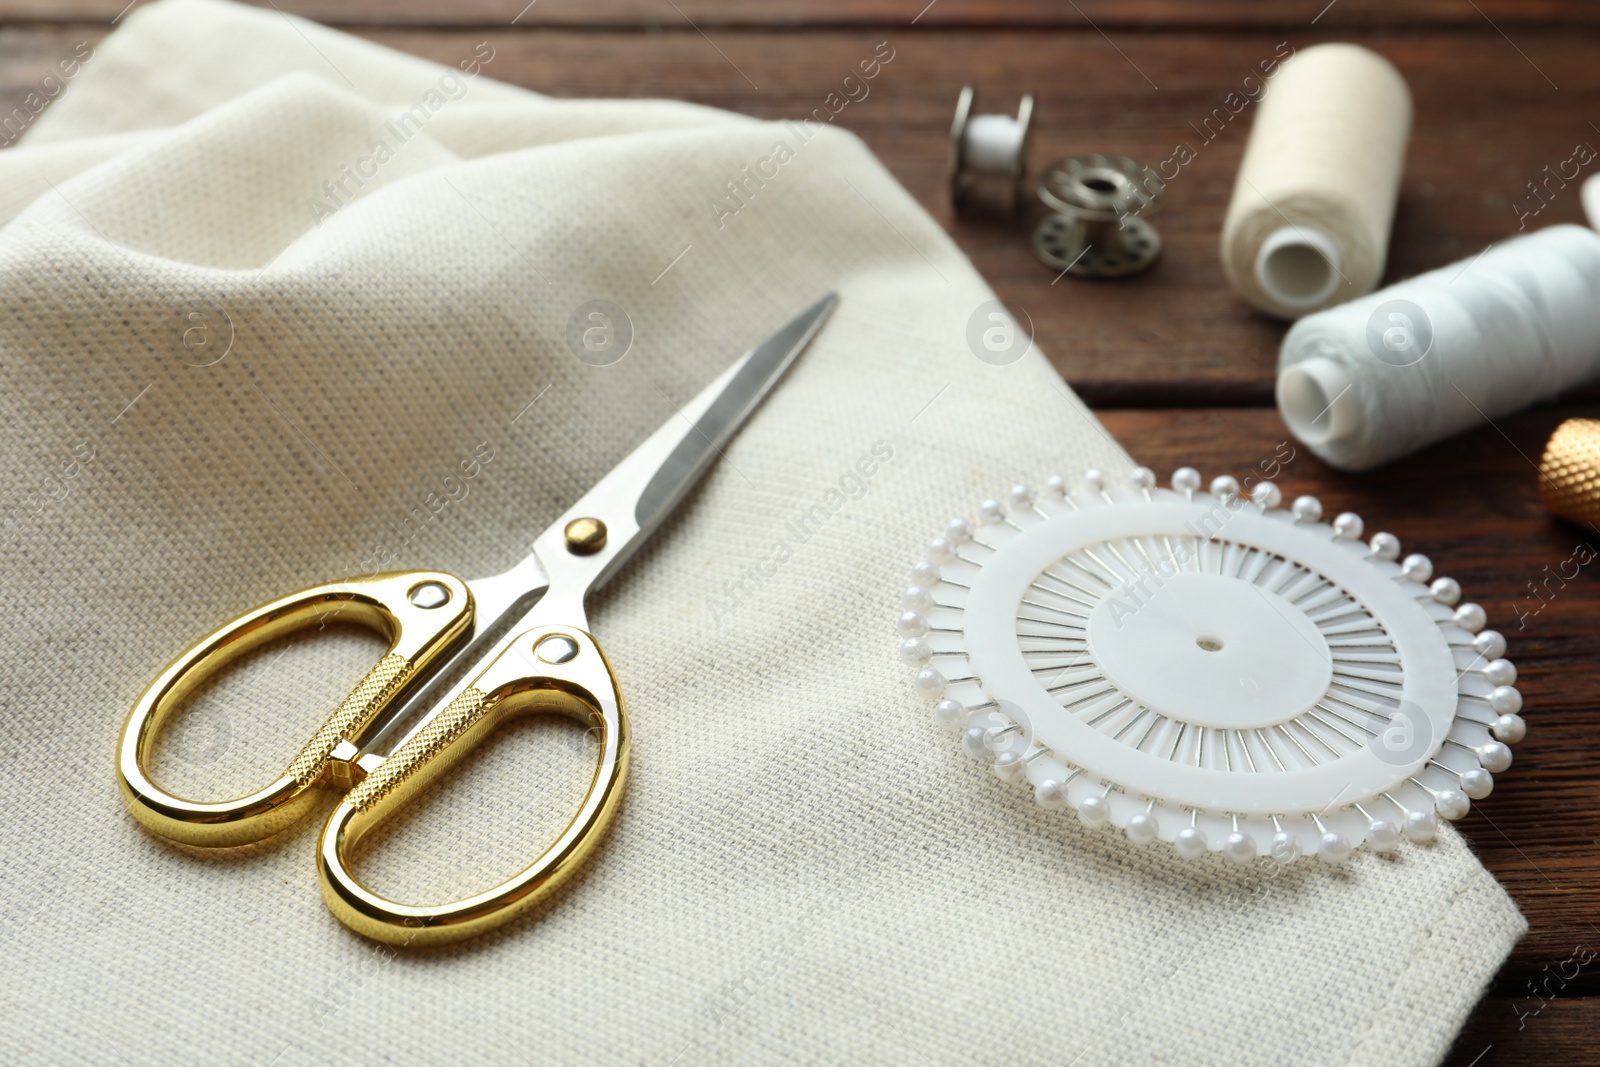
{"points": [[1399, 333]]}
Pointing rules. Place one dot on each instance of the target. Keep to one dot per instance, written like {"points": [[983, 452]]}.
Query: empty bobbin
{"points": [[1098, 231], [988, 155]]}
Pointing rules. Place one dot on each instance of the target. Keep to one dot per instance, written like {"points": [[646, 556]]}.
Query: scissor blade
{"points": [[644, 488], [631, 500], [729, 406]]}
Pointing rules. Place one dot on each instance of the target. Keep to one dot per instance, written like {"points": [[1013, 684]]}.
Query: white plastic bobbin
{"points": [[988, 151]]}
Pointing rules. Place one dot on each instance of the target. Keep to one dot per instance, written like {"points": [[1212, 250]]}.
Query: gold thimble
{"points": [[1569, 475]]}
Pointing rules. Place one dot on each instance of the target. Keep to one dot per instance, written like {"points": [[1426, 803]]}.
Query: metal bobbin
{"points": [[1098, 231], [989, 154]]}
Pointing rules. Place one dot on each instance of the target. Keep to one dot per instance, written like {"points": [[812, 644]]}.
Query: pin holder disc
{"points": [[1213, 670]]}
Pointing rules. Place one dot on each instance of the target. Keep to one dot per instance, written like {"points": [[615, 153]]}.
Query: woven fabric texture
{"points": [[243, 354]]}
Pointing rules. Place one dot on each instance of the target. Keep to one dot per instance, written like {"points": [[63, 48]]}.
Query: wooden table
{"points": [[1180, 370]]}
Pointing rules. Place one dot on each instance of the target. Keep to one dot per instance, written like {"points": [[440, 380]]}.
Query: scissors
{"points": [[463, 658]]}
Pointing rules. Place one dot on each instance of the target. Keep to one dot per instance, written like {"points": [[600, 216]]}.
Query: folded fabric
{"points": [[267, 286]]}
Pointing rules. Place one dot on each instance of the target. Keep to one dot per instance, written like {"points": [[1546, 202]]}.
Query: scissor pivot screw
{"points": [[585, 537], [429, 595], [556, 648]]}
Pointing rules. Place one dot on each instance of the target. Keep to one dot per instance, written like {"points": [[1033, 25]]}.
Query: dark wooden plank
{"points": [[1528, 1032], [1224, 15]]}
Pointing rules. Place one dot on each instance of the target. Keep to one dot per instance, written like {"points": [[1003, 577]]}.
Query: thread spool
{"points": [[988, 155], [1380, 377], [1308, 225]]}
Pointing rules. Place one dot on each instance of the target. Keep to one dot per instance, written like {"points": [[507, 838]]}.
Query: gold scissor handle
{"points": [[547, 668], [420, 612]]}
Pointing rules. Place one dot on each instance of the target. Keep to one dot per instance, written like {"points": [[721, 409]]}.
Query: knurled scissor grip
{"points": [[522, 679], [370, 695], [387, 603]]}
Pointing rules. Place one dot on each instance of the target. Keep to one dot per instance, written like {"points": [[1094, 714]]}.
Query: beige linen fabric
{"points": [[805, 869]]}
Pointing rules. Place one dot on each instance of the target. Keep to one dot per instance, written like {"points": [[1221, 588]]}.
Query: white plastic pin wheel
{"points": [[1212, 670]]}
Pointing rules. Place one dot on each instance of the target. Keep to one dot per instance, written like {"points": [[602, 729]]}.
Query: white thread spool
{"points": [[1308, 226], [1591, 200], [988, 150], [1380, 377]]}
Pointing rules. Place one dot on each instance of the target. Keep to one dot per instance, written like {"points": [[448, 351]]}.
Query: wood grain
{"points": [[1224, 15], [1528, 1032]]}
